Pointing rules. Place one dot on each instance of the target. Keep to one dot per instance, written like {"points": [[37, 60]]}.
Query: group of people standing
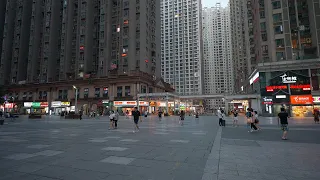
{"points": [[252, 120]]}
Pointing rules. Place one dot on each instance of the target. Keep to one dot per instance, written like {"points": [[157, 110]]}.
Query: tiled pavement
{"points": [[54, 148]]}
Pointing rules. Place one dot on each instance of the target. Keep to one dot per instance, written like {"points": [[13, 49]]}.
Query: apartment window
{"points": [[280, 42], [264, 49], [143, 89], [262, 14], [278, 29], [24, 96], [40, 95], [150, 90], [276, 4], [97, 92], [280, 56], [65, 94], [263, 26], [105, 92], [30, 96], [119, 91], [86, 92], [277, 17], [264, 36], [127, 90], [60, 94]]}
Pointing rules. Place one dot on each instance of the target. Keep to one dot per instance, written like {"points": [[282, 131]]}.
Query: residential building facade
{"points": [[217, 46], [181, 46], [54, 44], [240, 43]]}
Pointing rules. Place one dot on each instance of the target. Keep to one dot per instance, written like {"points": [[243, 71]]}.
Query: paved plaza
{"points": [[54, 148]]}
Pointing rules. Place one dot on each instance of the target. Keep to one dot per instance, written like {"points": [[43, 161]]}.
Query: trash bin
{"points": [[1, 121]]}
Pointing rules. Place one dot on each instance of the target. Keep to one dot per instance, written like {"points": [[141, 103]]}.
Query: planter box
{"points": [[72, 116], [35, 116]]}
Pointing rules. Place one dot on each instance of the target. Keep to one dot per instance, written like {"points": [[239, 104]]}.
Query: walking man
{"points": [[220, 117], [116, 118], [283, 118], [136, 116]]}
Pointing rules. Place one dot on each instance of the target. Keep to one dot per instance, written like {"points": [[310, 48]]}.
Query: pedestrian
{"points": [[160, 114], [111, 118], [256, 120], [115, 119], [283, 119], [127, 114], [1, 114], [80, 115], [249, 119], [182, 116], [220, 117], [235, 118], [316, 116], [197, 115], [253, 126], [136, 116]]}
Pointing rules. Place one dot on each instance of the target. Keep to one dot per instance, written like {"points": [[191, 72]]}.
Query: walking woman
{"points": [[256, 120], [112, 118]]}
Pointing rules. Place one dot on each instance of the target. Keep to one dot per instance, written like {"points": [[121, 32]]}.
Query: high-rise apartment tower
{"points": [[181, 46], [218, 73], [57, 40]]}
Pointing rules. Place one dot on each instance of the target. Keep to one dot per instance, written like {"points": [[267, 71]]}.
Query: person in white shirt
{"points": [[220, 116], [112, 117]]}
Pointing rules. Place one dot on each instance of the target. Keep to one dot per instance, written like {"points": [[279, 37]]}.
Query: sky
{"points": [[211, 3]]}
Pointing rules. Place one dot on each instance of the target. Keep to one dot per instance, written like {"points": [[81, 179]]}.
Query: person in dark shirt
{"points": [[136, 116], [283, 119]]}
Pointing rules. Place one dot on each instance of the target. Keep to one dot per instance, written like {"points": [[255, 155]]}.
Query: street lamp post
{"points": [[76, 99]]}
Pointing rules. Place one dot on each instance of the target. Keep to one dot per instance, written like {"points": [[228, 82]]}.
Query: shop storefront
{"points": [[302, 105], [316, 102], [152, 107], [124, 106], [9, 107], [58, 107], [36, 107], [104, 107], [290, 90]]}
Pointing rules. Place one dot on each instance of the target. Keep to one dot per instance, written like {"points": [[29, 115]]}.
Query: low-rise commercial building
{"points": [[294, 85], [94, 94]]}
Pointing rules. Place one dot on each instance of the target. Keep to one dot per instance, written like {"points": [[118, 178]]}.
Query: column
{"points": [[167, 103], [226, 106]]}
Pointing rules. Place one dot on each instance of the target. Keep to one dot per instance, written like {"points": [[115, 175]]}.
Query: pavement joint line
{"points": [[214, 158]]}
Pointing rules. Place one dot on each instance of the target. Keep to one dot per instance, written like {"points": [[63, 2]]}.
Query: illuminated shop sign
{"points": [[304, 87], [288, 79], [267, 100], [316, 99], [281, 96], [301, 99], [255, 78], [130, 103]]}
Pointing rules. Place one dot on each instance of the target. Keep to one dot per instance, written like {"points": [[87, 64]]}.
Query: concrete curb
{"points": [[212, 166]]}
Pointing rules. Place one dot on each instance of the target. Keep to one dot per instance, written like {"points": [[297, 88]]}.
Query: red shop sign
{"points": [[304, 87], [43, 104]]}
